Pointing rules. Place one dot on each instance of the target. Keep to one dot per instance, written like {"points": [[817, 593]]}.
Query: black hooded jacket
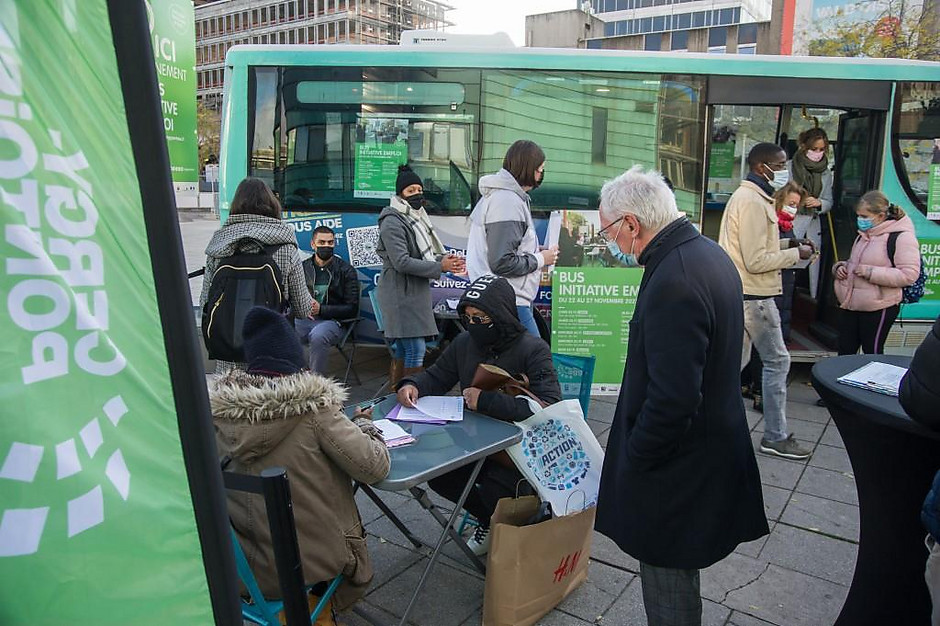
{"points": [[516, 351]]}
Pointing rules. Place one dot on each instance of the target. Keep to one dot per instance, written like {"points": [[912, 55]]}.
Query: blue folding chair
{"points": [[274, 487], [575, 375]]}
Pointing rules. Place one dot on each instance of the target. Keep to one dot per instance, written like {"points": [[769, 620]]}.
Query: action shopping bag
{"points": [[530, 569], [559, 455]]}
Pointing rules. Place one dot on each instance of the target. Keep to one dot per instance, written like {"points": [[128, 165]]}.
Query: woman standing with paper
{"points": [[502, 238], [412, 256], [869, 284]]}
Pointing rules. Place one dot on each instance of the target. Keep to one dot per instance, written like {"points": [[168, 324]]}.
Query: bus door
{"points": [[857, 152]]}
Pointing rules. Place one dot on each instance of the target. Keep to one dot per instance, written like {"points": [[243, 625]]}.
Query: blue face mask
{"points": [[864, 223], [626, 259]]}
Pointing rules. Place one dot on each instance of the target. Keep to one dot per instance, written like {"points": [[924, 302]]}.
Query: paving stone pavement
{"points": [[797, 575]]}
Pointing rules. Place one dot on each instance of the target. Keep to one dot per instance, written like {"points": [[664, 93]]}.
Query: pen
{"points": [[371, 403]]}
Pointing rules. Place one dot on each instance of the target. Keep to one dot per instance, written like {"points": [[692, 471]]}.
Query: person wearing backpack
{"points": [[870, 284], [254, 248]]}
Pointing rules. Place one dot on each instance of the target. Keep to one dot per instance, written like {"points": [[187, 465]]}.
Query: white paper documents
{"points": [[878, 377], [393, 434], [433, 409]]}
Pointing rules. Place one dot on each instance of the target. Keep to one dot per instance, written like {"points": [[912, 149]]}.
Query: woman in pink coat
{"points": [[869, 285]]}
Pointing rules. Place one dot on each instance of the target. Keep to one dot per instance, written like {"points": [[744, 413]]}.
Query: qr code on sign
{"points": [[361, 243]]}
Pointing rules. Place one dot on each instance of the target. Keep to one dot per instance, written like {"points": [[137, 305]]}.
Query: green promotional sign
{"points": [[96, 517], [930, 253], [721, 160], [382, 146], [933, 192], [173, 33], [591, 312]]}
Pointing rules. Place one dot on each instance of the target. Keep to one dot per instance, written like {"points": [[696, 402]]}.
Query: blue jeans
{"points": [[762, 329], [410, 350], [319, 335], [527, 317]]}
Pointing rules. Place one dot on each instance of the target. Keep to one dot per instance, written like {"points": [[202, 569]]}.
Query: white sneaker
{"points": [[480, 541]]}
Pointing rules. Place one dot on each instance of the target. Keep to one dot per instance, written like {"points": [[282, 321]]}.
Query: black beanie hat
{"points": [[271, 344], [406, 176]]}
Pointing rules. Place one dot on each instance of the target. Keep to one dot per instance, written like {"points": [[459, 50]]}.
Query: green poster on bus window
{"points": [[721, 160], [933, 189], [381, 146], [930, 253], [173, 33], [591, 312], [96, 518]]}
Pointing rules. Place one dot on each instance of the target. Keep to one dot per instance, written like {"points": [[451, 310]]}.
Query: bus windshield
{"points": [[329, 138]]}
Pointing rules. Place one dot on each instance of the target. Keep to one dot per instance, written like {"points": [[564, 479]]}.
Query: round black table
{"points": [[894, 460]]}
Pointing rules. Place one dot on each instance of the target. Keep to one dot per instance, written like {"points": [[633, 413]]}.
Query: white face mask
{"points": [[779, 179], [790, 210]]}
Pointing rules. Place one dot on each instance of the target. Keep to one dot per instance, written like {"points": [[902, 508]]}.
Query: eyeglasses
{"points": [[603, 234], [483, 320]]}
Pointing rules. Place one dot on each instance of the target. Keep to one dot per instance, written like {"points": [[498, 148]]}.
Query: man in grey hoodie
{"points": [[502, 236]]}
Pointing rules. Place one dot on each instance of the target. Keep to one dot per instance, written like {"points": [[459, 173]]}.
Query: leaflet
{"points": [[433, 409], [393, 434], [877, 377]]}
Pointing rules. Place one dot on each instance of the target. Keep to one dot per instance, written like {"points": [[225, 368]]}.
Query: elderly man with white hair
{"points": [[680, 487]]}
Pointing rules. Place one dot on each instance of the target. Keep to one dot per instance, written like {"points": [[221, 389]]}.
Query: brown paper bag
{"points": [[530, 569]]}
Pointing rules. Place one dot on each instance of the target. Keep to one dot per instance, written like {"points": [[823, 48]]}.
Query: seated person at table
{"points": [[279, 414], [334, 285], [494, 335]]}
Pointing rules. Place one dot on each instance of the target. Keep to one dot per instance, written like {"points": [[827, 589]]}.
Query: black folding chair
{"points": [[350, 327]]}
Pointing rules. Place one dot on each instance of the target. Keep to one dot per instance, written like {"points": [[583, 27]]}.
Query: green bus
{"points": [[326, 126]]}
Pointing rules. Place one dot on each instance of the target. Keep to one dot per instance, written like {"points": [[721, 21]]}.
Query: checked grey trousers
{"points": [[672, 597]]}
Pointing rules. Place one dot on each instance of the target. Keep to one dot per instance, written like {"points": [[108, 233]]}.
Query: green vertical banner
{"points": [[173, 34], [97, 522], [591, 312]]}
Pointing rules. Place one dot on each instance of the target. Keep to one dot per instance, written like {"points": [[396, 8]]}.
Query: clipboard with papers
{"points": [[877, 377]]}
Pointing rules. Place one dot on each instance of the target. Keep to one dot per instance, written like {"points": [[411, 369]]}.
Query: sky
{"points": [[490, 16]]}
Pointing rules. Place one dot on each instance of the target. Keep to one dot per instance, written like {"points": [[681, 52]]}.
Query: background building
{"points": [[221, 24], [717, 26]]}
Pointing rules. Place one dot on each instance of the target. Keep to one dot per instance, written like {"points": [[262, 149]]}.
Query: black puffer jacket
{"points": [[517, 352], [920, 388]]}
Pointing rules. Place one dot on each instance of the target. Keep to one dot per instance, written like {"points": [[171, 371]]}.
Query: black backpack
{"points": [[246, 279], [915, 291]]}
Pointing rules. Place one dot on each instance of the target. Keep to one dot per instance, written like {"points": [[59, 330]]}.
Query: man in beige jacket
{"points": [[750, 236]]}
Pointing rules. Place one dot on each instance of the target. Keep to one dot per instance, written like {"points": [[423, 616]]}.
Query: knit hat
{"points": [[406, 176], [271, 344]]}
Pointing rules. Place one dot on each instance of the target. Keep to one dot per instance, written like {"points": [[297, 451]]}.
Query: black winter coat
{"points": [[920, 388], [342, 296], [527, 355], [680, 486]]}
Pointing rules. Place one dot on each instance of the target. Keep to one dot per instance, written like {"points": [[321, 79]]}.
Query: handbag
{"points": [[488, 377], [532, 567], [559, 455]]}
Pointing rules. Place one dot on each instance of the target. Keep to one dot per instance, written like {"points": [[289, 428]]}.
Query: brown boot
{"points": [[395, 370], [411, 370]]}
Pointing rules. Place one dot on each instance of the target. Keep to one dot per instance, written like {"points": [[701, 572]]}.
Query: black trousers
{"points": [[865, 329], [494, 481]]}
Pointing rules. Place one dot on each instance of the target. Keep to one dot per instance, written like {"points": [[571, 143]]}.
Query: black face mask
{"points": [[484, 335], [539, 182], [416, 201], [324, 253]]}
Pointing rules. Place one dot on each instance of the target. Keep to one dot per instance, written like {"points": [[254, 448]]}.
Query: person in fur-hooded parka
{"points": [[279, 414]]}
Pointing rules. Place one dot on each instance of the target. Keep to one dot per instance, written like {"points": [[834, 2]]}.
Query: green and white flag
{"points": [[98, 522]]}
